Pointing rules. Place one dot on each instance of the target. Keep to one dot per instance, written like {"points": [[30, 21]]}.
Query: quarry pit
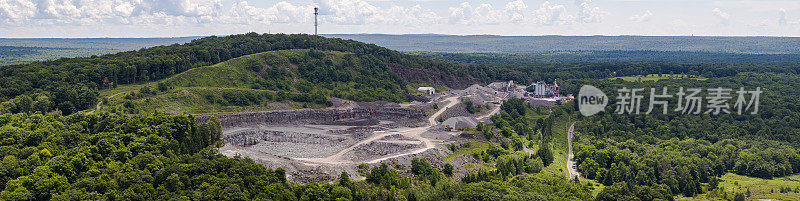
{"points": [[315, 145]]}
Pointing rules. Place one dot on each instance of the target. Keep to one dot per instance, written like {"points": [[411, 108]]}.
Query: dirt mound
{"points": [[456, 111], [459, 123]]}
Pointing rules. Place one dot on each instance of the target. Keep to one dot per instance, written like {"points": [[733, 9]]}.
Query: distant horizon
{"points": [[413, 34], [161, 18], [480, 43]]}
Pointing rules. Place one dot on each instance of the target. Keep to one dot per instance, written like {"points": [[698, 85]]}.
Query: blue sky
{"points": [[168, 18]]}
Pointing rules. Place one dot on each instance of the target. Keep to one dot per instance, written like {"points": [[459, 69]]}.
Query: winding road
{"points": [[571, 171], [493, 112], [415, 133], [101, 102]]}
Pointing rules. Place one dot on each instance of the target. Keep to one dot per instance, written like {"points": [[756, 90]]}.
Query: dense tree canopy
{"points": [[680, 152], [71, 83]]}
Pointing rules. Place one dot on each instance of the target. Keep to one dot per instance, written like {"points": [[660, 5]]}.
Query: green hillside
{"points": [[75, 84], [283, 79]]}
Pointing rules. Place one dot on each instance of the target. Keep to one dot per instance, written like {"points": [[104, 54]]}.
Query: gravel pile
{"points": [[456, 111], [459, 123]]}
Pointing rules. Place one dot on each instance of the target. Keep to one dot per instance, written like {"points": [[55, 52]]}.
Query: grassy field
{"points": [[196, 100], [476, 146], [125, 88], [656, 77], [559, 166], [760, 189], [559, 143]]}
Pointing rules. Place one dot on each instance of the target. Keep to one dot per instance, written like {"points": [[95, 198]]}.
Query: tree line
{"points": [[686, 153], [71, 83]]}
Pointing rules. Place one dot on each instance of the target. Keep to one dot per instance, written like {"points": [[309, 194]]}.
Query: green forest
{"points": [[546, 43], [616, 56], [131, 151], [10, 55], [686, 156], [171, 157], [298, 76], [72, 84]]}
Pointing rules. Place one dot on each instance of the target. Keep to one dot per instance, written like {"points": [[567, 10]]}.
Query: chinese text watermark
{"points": [[714, 101]]}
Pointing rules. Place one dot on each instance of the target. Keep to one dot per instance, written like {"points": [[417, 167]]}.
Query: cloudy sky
{"points": [[169, 18]]}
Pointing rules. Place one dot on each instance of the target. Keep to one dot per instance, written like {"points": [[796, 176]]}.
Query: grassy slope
{"points": [[759, 188], [227, 74], [232, 73], [476, 146], [559, 166], [268, 72], [188, 90], [193, 100], [559, 143]]}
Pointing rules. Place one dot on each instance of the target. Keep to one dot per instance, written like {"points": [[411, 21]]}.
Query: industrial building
{"points": [[543, 90], [427, 90]]}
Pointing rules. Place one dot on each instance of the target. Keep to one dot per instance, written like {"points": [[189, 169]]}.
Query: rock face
{"points": [[422, 99], [315, 116], [430, 76], [249, 138]]}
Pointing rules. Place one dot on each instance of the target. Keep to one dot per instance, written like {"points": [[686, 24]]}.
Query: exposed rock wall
{"points": [[315, 116], [249, 138], [425, 75]]}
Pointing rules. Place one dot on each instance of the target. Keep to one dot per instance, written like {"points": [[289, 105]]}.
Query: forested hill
{"points": [[519, 44], [275, 80], [616, 56], [120, 44], [71, 84]]}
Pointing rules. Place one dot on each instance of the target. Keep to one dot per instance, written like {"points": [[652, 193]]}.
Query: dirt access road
{"points": [[101, 102], [571, 171], [488, 115], [414, 133]]}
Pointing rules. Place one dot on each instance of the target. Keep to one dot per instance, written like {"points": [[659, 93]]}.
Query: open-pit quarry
{"points": [[318, 144]]}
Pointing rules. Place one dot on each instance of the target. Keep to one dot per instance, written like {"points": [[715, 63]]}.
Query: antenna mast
{"points": [[316, 13]]}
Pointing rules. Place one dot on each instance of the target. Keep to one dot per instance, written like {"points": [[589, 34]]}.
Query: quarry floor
{"points": [[320, 152]]}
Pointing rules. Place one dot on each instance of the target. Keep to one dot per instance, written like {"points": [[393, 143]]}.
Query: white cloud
{"points": [[124, 9], [16, 11], [644, 17], [285, 12], [350, 12], [516, 11], [588, 13], [482, 14], [361, 12], [116, 18], [30, 13], [552, 14], [414, 16], [58, 12], [723, 17], [344, 12]]}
